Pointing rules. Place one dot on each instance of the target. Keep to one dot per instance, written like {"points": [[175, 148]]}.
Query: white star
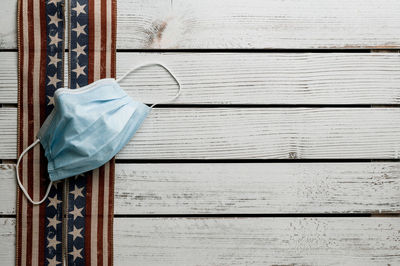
{"points": [[76, 233], [79, 70], [53, 242], [77, 212], [53, 201], [51, 100], [53, 80], [54, 60], [79, 9], [79, 50], [55, 40], [77, 192], [79, 29], [53, 1], [53, 221], [76, 253], [53, 261], [54, 19]]}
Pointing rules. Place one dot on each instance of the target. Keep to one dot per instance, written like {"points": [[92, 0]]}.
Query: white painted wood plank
{"points": [[259, 241], [245, 24], [245, 241], [8, 77], [8, 20], [7, 241], [246, 188], [8, 189], [258, 24], [252, 133], [248, 78], [257, 188]]}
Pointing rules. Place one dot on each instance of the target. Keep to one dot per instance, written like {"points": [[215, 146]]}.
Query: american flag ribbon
{"points": [[74, 225]]}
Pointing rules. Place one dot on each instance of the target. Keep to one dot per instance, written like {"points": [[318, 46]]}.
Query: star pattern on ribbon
{"points": [[79, 9], [79, 40], [53, 80], [75, 233], [54, 60], [54, 39], [77, 192], [53, 222], [53, 242], [79, 50], [76, 253], [77, 204], [53, 226], [53, 261], [54, 201], [54, 19], [79, 29], [51, 100], [77, 212], [79, 70]]}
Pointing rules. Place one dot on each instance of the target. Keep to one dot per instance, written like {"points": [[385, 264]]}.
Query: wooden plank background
{"points": [[269, 155]]}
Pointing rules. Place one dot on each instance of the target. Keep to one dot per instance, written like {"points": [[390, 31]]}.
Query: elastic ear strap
{"points": [[19, 181], [156, 64]]}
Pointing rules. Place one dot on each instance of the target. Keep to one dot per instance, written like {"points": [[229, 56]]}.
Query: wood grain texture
{"points": [[249, 78], [248, 133], [8, 20], [7, 240], [258, 24], [245, 188], [245, 24], [245, 241], [257, 188], [252, 133]]}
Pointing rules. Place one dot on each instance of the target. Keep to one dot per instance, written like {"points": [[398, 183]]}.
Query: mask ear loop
{"points": [[19, 181], [155, 64]]}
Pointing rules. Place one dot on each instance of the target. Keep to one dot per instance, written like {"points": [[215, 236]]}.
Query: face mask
{"points": [[87, 127]]}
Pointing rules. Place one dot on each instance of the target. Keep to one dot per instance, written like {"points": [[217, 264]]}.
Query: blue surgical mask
{"points": [[88, 127]]}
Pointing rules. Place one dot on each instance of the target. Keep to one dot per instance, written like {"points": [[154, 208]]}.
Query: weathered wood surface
{"points": [[252, 133], [245, 241], [257, 188], [8, 20], [248, 133], [246, 188], [249, 78], [245, 24]]}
